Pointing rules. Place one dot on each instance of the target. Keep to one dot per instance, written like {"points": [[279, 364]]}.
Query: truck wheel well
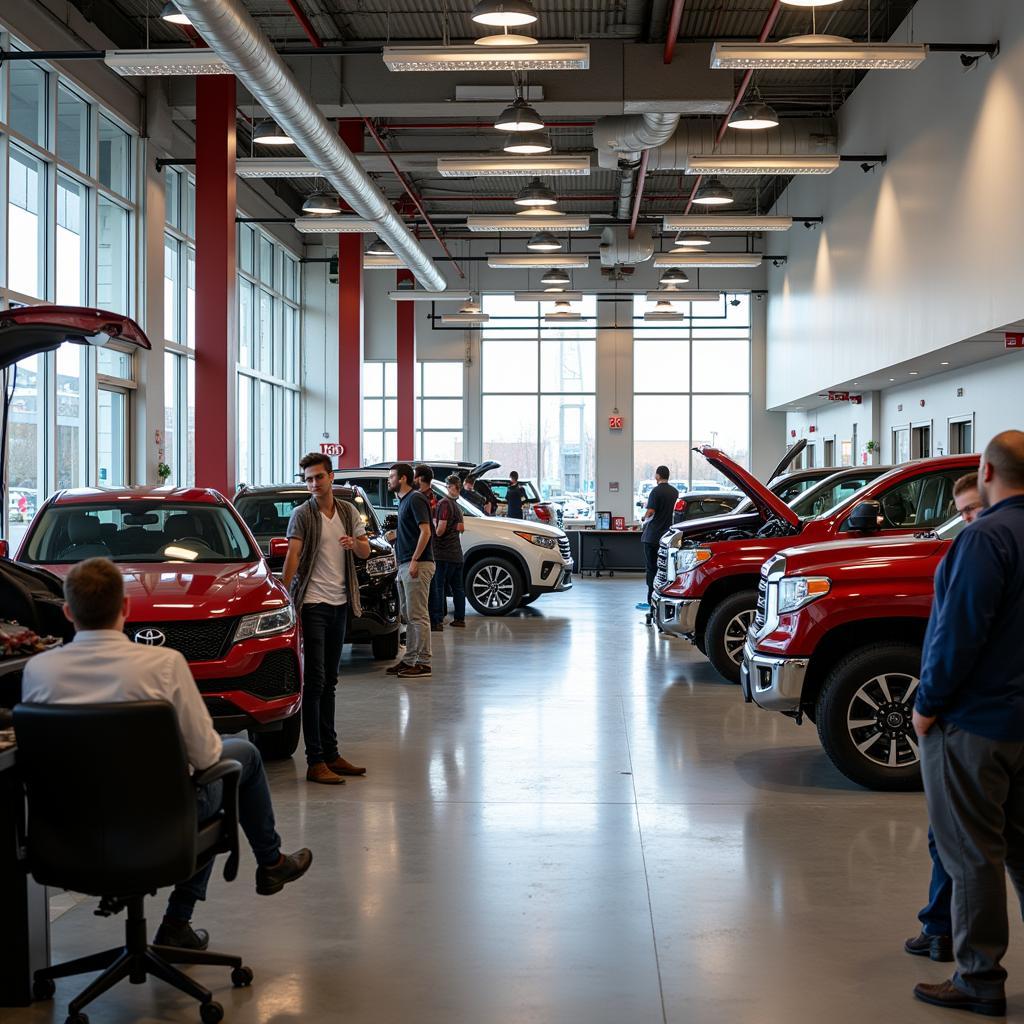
{"points": [[844, 639], [719, 590]]}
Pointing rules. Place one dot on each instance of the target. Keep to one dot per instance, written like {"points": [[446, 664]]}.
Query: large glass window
{"points": [[113, 260], [26, 224], [28, 100], [115, 157], [72, 254], [73, 129], [380, 411], [440, 411], [26, 447], [539, 383], [691, 384], [71, 422]]}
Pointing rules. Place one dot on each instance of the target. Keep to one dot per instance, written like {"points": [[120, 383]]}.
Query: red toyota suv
{"points": [[710, 593], [837, 637], [197, 582]]}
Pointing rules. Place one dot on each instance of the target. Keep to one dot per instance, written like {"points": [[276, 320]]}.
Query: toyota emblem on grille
{"points": [[152, 637]]}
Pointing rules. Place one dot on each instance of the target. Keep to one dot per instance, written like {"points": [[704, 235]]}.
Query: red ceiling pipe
{"points": [[769, 24], [639, 193], [307, 25], [412, 193], [674, 20]]}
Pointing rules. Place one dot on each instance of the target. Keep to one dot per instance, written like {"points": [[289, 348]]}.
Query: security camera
{"points": [[734, 302], [968, 61]]}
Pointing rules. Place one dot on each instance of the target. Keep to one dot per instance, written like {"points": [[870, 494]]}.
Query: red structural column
{"points": [[405, 351], [350, 324], [216, 283]]}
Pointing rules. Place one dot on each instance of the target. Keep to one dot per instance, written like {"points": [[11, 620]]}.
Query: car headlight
{"points": [[689, 558], [265, 623], [539, 539], [797, 591], [382, 565]]}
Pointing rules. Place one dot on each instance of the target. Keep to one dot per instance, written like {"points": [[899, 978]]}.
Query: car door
{"points": [[922, 502]]}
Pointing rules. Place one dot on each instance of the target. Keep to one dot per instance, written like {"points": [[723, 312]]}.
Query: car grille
{"points": [[220, 708], [762, 599], [564, 549], [661, 577], [197, 639], [277, 676]]}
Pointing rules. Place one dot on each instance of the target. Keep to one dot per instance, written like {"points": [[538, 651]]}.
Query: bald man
{"points": [[969, 715]]}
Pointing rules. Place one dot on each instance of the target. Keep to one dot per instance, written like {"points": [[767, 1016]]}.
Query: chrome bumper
{"points": [[677, 616], [775, 684]]}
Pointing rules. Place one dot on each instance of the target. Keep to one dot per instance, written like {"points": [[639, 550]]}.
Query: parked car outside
{"points": [[573, 506], [266, 511], [196, 581], [508, 563], [838, 635], [711, 589]]}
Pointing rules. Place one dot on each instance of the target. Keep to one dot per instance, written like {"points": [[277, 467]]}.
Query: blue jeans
{"points": [[255, 815], [323, 637], [447, 574], [936, 916]]}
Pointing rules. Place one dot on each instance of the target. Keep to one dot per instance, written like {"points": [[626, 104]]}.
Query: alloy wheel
{"points": [[880, 720], [736, 635], [493, 586]]}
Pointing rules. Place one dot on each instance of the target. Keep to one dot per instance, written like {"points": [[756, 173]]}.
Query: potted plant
{"points": [[872, 448], [163, 471]]}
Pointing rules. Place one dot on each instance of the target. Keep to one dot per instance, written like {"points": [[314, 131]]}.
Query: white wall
{"points": [[926, 250]]}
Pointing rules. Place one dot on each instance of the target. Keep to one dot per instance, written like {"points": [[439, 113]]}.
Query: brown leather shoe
{"points": [[938, 947], [321, 773], [948, 995], [458, 623], [342, 767]]}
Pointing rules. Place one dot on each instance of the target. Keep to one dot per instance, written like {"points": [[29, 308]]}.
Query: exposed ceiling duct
{"points": [[227, 27], [620, 140], [618, 249]]}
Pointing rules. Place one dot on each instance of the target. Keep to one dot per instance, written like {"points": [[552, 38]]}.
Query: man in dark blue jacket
{"points": [[969, 715]]}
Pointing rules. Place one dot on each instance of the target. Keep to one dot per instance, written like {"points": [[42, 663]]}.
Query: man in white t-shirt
{"points": [[325, 536]]}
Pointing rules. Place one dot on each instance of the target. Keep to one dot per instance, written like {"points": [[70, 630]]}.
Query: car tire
{"points": [[887, 675], [385, 647], [280, 744], [494, 586], [726, 632]]}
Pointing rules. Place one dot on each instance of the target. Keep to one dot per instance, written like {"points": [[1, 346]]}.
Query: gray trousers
{"points": [[417, 610], [975, 791]]}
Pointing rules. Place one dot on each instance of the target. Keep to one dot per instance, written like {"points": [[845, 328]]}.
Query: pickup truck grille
{"points": [[564, 549], [662, 575], [762, 600]]}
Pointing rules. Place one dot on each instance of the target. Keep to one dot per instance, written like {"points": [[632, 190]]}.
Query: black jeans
{"points": [[651, 558], [447, 576], [323, 637]]}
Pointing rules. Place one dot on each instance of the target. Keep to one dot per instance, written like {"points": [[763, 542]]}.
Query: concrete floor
{"points": [[575, 820]]}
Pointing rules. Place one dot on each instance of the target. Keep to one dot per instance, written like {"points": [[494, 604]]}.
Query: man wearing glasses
{"points": [[325, 537]]}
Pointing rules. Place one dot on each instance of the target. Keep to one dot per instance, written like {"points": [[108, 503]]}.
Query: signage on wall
{"points": [[332, 448], [1013, 339], [839, 396], [615, 423]]}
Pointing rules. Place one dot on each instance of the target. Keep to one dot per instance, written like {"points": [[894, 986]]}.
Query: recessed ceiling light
{"points": [[891, 379], [519, 117], [544, 241], [913, 373], [753, 116], [536, 194], [504, 13], [171, 13], [944, 364], [268, 134], [528, 143], [713, 193]]}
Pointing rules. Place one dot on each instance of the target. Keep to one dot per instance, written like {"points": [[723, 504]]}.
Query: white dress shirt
{"points": [[103, 666]]}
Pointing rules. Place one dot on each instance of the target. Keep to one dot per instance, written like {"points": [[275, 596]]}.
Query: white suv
{"points": [[508, 562]]}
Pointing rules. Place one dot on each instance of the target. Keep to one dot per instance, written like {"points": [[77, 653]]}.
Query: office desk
{"points": [[598, 551]]}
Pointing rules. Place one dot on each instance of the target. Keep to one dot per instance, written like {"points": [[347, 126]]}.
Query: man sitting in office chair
{"points": [[102, 665]]}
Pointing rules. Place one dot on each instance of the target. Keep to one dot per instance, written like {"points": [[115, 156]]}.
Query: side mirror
{"points": [[5, 549], [278, 547], [866, 516], [390, 523]]}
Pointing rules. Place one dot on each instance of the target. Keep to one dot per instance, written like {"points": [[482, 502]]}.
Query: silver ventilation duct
{"points": [[227, 27], [623, 138], [617, 248]]}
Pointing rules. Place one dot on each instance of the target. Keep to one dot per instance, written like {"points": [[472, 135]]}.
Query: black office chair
{"points": [[112, 813]]}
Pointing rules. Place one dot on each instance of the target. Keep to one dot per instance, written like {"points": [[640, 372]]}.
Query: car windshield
{"points": [[138, 531], [827, 494], [267, 513]]}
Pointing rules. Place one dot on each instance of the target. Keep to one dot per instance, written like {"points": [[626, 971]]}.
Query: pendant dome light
{"points": [[810, 3], [536, 194], [677, 249], [673, 277], [527, 143], [268, 134], [378, 247], [555, 280], [663, 306], [753, 117], [321, 204], [504, 13], [506, 38], [169, 12], [472, 306], [562, 308], [713, 193], [544, 241], [519, 117], [692, 239]]}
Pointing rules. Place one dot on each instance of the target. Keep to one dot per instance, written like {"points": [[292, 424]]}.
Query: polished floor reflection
{"points": [[574, 820]]}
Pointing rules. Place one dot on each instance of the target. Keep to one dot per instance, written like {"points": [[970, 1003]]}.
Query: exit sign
{"points": [[1012, 339], [615, 423]]}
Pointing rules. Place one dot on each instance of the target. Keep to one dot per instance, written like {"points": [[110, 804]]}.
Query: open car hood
{"points": [[768, 504], [29, 330], [788, 459]]}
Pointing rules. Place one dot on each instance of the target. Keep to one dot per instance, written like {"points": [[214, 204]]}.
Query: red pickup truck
{"points": [[837, 637], [711, 589]]}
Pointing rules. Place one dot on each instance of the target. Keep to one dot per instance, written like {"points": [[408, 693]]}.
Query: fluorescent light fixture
{"points": [[528, 143], [181, 62], [510, 166], [416, 295], [371, 262], [671, 315], [731, 260], [695, 222], [322, 204], [557, 222], [530, 261], [753, 117], [678, 295], [335, 225], [824, 52], [378, 247], [504, 13], [519, 117], [542, 57], [715, 164], [268, 134], [548, 296], [466, 319], [169, 12], [713, 193], [544, 241], [536, 193], [277, 167]]}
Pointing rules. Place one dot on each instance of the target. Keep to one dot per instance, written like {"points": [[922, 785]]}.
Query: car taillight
{"points": [[681, 505], [543, 512]]}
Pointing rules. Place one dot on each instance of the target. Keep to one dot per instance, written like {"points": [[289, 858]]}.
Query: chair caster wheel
{"points": [[241, 977], [76, 1018], [211, 1013], [43, 988]]}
